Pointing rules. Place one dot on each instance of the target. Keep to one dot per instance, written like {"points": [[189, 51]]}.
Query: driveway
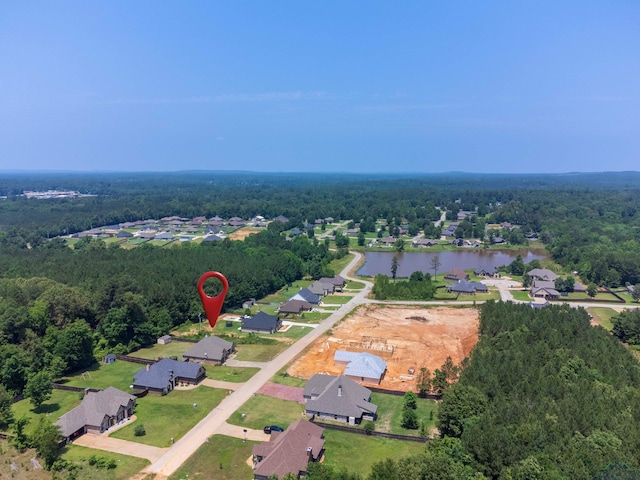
{"points": [[134, 449], [503, 284]]}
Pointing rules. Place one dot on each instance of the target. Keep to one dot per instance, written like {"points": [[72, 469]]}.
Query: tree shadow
{"points": [[46, 408]]}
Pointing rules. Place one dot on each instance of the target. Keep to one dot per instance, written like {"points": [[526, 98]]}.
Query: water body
{"points": [[409, 262]]}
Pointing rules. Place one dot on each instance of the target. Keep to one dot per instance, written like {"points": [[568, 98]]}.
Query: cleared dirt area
{"points": [[405, 337], [242, 233]]}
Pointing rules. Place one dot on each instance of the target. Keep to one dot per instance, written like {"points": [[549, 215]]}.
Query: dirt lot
{"points": [[242, 233], [405, 337]]}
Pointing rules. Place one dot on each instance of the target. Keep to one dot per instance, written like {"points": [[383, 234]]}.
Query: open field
{"points": [[221, 457], [357, 453], [171, 349], [244, 232], [261, 410], [118, 374], [170, 415], [405, 337], [230, 374], [61, 402], [602, 316], [390, 414]]}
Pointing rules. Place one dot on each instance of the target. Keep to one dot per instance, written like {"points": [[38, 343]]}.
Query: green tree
{"points": [[423, 382], [399, 245], [635, 292], [20, 439], [592, 290], [435, 265], [394, 267], [410, 400], [361, 239], [6, 413], [39, 388], [368, 426], [461, 405], [409, 418], [45, 440]]}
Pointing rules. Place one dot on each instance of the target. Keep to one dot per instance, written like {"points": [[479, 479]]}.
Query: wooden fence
{"points": [[359, 431]]}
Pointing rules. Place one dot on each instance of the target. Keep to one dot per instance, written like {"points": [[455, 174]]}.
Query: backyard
{"points": [[261, 410]]}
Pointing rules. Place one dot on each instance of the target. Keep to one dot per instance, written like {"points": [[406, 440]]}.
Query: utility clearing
{"points": [[407, 338]]}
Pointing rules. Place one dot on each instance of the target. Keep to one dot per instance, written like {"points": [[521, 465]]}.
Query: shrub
{"points": [[139, 431]]}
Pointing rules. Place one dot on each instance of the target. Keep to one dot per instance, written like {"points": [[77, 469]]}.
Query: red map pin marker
{"points": [[212, 305]]}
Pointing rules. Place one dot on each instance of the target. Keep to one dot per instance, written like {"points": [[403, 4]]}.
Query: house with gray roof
{"points": [[289, 451], [210, 349], [467, 287], [491, 272], [321, 289], [544, 289], [337, 281], [542, 274], [261, 323], [162, 377], [306, 295], [361, 366], [339, 399], [295, 307], [97, 413]]}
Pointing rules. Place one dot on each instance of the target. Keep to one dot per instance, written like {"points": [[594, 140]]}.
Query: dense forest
{"points": [[588, 222], [61, 307]]}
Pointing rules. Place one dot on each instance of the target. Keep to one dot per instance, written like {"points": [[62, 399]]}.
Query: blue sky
{"points": [[430, 86]]}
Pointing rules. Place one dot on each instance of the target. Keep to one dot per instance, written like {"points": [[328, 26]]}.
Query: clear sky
{"points": [[375, 86]]}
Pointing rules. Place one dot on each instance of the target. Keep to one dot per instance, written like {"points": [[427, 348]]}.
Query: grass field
{"points": [[221, 457], [260, 353], [127, 466], [261, 410], [61, 402], [170, 415], [336, 299], [171, 349], [286, 293], [390, 413], [294, 332], [522, 295], [285, 379], [119, 375], [603, 316], [358, 452], [230, 374]]}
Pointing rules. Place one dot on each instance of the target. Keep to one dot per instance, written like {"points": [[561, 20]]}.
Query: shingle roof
{"points": [[361, 364], [465, 286], [306, 295], [160, 373], [543, 274], [338, 396], [260, 321], [289, 451], [94, 407], [211, 347], [295, 306]]}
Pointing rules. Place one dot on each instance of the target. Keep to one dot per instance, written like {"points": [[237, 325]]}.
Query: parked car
{"points": [[272, 428]]}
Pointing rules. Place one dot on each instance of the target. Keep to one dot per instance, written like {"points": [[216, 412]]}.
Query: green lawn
{"points": [[390, 413], [294, 332], [230, 374], [260, 353], [286, 293], [336, 299], [127, 466], [603, 316], [119, 375], [284, 378], [61, 402], [171, 349], [340, 264], [170, 415], [358, 452], [310, 317], [221, 457], [261, 410], [353, 285], [522, 295]]}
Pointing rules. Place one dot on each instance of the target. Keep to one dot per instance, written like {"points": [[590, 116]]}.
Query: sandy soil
{"points": [[405, 337], [242, 233]]}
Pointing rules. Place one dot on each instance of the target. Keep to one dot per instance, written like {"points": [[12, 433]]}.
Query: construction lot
{"points": [[407, 338]]}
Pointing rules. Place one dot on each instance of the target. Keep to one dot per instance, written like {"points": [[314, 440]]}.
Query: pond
{"points": [[409, 262]]}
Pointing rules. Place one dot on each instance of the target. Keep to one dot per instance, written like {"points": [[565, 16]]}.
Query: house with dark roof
{"points": [[124, 234], [210, 349], [544, 289], [306, 295], [162, 377], [491, 272], [338, 398], [456, 274], [337, 281], [295, 307], [97, 413], [467, 287], [261, 323], [361, 366], [542, 274], [321, 289], [212, 238], [424, 242], [289, 451]]}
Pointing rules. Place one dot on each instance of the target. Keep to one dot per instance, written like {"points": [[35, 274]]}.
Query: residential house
{"points": [[467, 287], [337, 281], [338, 398], [289, 451], [542, 274], [490, 272], [97, 413], [295, 307], [306, 295], [321, 289], [387, 241], [162, 377], [212, 238], [281, 219], [261, 323], [544, 289], [124, 234], [456, 274], [424, 242], [450, 231], [210, 349], [361, 366]]}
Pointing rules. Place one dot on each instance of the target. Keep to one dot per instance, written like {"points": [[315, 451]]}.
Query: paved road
{"points": [[215, 421]]}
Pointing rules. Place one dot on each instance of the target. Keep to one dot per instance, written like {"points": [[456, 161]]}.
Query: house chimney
{"points": [[339, 390], [309, 453]]}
